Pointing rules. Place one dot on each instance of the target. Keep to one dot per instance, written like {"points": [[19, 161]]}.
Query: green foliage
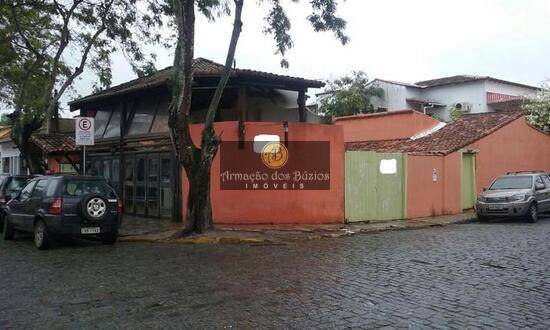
{"points": [[349, 95], [538, 109], [455, 112], [323, 17], [47, 44]]}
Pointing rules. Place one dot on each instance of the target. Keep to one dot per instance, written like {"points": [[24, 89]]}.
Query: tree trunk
{"points": [[197, 162]]}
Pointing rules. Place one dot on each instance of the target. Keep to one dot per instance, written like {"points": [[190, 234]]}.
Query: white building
{"points": [[10, 159], [437, 97]]}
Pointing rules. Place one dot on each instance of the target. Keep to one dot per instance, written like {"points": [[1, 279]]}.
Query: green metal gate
{"points": [[371, 194], [468, 178]]}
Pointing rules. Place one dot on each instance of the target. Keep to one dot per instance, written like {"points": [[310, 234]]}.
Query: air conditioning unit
{"points": [[463, 106]]}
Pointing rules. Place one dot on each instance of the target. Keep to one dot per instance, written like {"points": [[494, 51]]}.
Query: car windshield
{"points": [[16, 184], [79, 187], [512, 182]]}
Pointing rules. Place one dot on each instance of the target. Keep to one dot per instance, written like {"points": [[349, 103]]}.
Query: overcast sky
{"points": [[393, 39]]}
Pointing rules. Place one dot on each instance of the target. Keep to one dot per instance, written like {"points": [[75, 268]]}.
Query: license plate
{"points": [[90, 230], [497, 207]]}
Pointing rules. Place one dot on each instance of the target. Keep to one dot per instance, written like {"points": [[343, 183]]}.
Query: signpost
{"points": [[84, 136]]}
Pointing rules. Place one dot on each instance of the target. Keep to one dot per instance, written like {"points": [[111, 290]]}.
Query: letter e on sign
{"points": [[84, 131]]}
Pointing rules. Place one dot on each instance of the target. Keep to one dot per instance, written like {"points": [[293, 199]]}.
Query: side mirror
{"points": [[484, 188], [539, 186]]}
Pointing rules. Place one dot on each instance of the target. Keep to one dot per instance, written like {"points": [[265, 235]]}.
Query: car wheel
{"points": [[110, 238], [533, 214], [8, 232], [41, 235], [94, 207]]}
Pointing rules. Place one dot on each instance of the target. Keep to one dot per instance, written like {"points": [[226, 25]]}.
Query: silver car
{"points": [[517, 194]]}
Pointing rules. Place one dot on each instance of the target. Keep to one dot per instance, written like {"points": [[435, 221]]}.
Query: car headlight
{"points": [[480, 199], [518, 197]]}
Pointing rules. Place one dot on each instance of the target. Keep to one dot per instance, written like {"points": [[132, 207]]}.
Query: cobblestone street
{"points": [[467, 275]]}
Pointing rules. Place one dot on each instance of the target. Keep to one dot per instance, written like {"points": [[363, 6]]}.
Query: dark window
{"points": [[100, 122], [6, 165], [116, 170], [79, 187], [113, 128], [39, 189], [144, 115], [16, 184], [26, 192], [140, 170], [52, 188], [160, 124]]}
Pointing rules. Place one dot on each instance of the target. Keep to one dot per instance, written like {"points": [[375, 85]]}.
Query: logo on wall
{"points": [[274, 155], [294, 165]]}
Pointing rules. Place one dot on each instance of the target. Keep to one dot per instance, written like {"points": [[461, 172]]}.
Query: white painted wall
{"points": [[395, 95], [472, 93], [9, 153]]}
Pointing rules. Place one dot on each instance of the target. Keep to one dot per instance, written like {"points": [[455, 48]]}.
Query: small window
{"points": [[52, 188], [39, 189], [113, 128], [538, 181], [546, 180], [101, 121], [261, 140], [143, 116], [388, 166], [26, 192]]}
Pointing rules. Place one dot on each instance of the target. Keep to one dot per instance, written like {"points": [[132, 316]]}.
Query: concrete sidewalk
{"points": [[163, 231]]}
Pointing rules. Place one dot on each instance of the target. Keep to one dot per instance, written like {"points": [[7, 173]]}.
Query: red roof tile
{"points": [[456, 135], [54, 143]]}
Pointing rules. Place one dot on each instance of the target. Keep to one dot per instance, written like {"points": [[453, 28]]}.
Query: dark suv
{"points": [[64, 205]]}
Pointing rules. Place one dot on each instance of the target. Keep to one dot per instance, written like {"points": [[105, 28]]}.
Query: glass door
{"points": [[129, 186], [153, 170], [140, 168], [166, 192]]}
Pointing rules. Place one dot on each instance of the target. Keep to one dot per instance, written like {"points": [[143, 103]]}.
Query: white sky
{"points": [[393, 39]]}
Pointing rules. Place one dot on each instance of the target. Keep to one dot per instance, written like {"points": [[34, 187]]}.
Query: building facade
{"points": [[470, 94], [133, 149]]}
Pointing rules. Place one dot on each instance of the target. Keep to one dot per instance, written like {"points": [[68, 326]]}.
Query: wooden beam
{"points": [[302, 105]]}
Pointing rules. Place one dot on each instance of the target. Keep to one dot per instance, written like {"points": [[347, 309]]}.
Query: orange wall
{"points": [[55, 161], [278, 206], [384, 126], [515, 147], [428, 198]]}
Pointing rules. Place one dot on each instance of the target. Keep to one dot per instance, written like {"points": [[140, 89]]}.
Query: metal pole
{"points": [[84, 158]]}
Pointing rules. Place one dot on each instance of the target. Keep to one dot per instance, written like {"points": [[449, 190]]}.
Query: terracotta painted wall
{"points": [[515, 147], [279, 206], [55, 161], [426, 197], [384, 126]]}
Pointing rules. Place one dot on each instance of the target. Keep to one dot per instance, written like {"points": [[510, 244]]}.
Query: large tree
{"points": [[349, 95], [47, 44], [197, 159]]}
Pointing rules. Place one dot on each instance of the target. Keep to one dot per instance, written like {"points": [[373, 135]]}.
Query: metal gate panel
{"points": [[370, 194]]}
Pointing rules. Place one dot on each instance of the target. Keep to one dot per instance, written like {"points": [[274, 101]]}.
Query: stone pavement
{"points": [[469, 275], [136, 229]]}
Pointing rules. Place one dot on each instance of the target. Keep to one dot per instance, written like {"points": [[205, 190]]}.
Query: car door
{"points": [[546, 181], [17, 205], [33, 204], [541, 193]]}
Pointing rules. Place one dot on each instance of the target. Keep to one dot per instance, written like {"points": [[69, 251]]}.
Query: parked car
{"points": [[517, 194], [11, 185], [64, 205]]}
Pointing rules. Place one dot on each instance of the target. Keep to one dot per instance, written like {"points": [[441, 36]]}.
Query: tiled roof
{"points": [[202, 68], [459, 79], [5, 133], [54, 143], [454, 136]]}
